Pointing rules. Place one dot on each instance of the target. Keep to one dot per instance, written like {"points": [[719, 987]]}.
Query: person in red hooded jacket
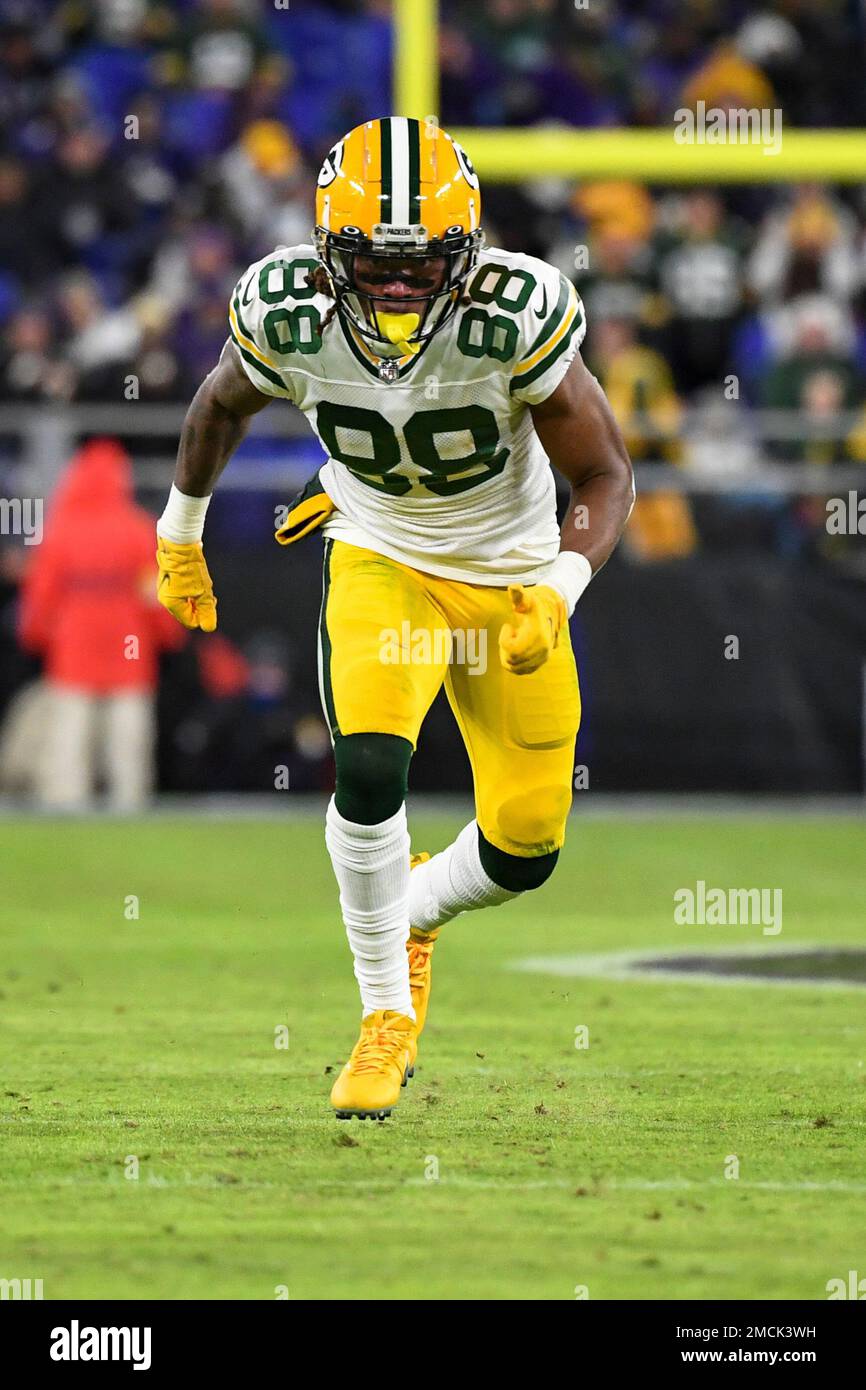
{"points": [[88, 610]]}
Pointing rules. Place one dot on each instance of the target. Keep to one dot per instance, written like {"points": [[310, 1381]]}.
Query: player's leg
{"points": [[519, 733], [128, 748], [376, 689], [66, 769]]}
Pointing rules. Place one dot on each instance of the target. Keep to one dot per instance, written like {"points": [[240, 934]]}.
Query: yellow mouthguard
{"points": [[399, 328]]}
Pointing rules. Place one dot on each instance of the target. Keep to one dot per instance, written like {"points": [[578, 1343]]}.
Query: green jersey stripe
{"points": [[236, 305], [259, 366], [555, 319], [541, 367]]}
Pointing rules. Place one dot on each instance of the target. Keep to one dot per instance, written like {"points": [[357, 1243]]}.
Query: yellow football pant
{"points": [[391, 635]]}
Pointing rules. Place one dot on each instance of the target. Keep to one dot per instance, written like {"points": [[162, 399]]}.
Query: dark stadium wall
{"points": [[664, 708], [667, 710]]}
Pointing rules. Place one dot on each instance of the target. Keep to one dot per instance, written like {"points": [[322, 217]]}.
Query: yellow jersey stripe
{"points": [[248, 342], [551, 343]]}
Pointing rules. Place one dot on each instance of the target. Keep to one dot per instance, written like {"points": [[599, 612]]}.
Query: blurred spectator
{"points": [[89, 610], [200, 333], [99, 335], [267, 189], [245, 724], [639, 387], [729, 81], [808, 247], [145, 362], [700, 277], [197, 260], [87, 202], [22, 229], [25, 70], [221, 47], [152, 173], [618, 282], [638, 384], [31, 368], [816, 374]]}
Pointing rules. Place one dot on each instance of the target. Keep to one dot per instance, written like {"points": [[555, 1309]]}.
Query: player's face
{"points": [[390, 280]]}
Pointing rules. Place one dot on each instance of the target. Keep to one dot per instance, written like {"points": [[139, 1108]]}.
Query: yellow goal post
{"points": [[517, 154]]}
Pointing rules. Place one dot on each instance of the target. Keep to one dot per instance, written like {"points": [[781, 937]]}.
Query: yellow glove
{"points": [[537, 618], [184, 586]]}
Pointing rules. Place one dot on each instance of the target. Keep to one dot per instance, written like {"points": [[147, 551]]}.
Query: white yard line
{"points": [[592, 1187], [626, 965]]}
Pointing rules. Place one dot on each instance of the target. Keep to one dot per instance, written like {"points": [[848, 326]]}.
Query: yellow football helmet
{"points": [[402, 190]]}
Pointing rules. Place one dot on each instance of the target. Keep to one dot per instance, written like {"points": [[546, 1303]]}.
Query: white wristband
{"points": [[183, 518], [569, 575]]}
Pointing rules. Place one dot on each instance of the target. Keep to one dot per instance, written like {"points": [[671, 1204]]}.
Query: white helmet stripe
{"points": [[399, 171]]}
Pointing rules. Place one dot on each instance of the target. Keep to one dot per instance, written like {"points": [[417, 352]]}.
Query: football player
{"points": [[442, 378]]}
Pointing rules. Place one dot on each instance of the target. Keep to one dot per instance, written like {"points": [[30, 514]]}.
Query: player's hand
{"points": [[184, 586], [526, 641]]}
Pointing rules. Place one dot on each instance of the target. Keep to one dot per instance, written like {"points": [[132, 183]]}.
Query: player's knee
{"points": [[372, 776], [512, 871], [535, 817]]}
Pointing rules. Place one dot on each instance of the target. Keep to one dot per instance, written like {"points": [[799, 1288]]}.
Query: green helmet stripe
{"points": [[387, 172], [414, 171]]}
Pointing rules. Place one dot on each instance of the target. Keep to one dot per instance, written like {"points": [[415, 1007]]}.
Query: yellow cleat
{"points": [[382, 1061], [419, 948]]}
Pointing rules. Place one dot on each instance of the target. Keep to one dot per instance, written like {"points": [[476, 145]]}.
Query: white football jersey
{"points": [[439, 467]]}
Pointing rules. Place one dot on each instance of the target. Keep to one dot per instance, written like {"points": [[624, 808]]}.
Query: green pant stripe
{"points": [[325, 640]]}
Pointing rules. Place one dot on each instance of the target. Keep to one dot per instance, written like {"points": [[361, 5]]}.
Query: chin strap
{"points": [[399, 329]]}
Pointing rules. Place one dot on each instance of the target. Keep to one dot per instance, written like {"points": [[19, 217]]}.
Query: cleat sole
{"points": [[362, 1114]]}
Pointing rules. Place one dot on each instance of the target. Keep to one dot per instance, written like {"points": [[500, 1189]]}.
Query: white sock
{"points": [[371, 865], [452, 882]]}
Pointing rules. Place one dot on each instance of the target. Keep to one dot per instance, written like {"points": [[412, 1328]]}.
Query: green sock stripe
{"points": [[512, 872]]}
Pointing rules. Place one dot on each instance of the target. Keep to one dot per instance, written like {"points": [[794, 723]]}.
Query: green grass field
{"points": [[154, 1039]]}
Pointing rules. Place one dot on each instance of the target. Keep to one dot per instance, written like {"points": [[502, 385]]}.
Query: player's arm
{"points": [[215, 424], [581, 438], [583, 442]]}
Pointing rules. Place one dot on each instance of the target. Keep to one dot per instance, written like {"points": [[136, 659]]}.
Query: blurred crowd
{"points": [[634, 62], [150, 151], [83, 644]]}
